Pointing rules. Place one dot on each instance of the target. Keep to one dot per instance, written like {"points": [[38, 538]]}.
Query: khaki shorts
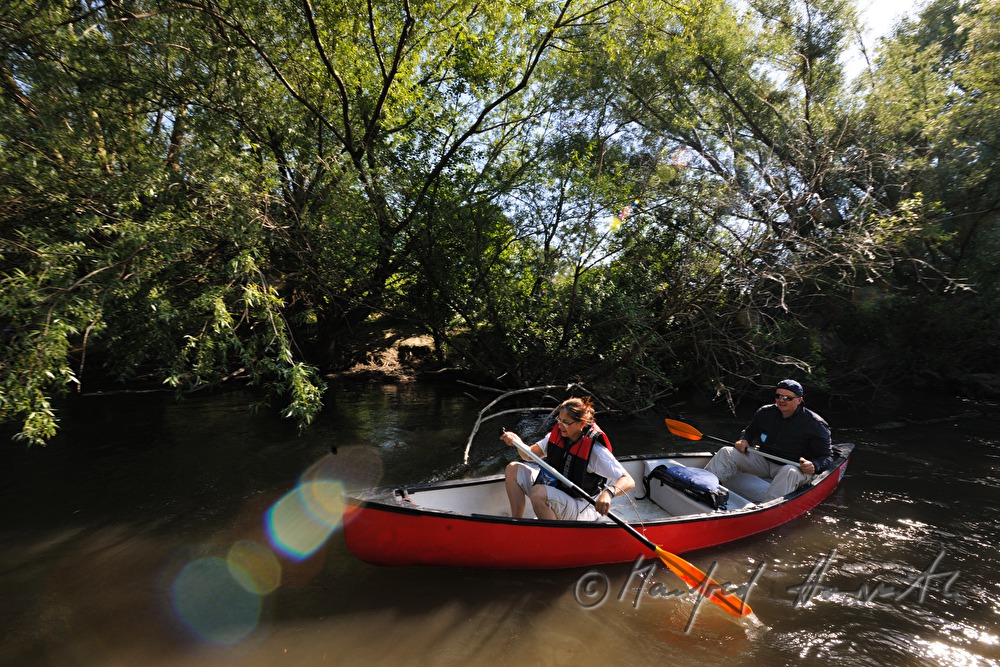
{"points": [[564, 505]]}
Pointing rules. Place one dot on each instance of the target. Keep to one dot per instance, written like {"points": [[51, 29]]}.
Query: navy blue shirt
{"points": [[804, 434]]}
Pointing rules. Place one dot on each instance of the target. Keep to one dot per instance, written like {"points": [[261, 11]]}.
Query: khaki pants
{"points": [[784, 478]]}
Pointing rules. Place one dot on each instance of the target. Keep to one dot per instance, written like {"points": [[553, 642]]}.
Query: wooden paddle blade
{"points": [[703, 584], [683, 430]]}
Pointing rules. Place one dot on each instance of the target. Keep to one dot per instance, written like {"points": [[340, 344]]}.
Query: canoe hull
{"points": [[404, 534]]}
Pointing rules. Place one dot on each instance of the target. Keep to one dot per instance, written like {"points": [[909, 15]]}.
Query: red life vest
{"points": [[572, 458]]}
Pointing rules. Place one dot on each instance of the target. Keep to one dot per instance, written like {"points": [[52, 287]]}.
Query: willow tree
{"points": [[129, 244], [199, 189]]}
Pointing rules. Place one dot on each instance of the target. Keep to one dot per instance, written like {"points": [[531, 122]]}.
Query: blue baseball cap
{"points": [[790, 385]]}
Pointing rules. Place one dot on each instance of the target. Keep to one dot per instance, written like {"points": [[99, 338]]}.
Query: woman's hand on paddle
{"points": [[603, 503], [509, 438]]}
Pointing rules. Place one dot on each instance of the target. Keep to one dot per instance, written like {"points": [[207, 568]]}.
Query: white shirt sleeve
{"points": [[603, 463]]}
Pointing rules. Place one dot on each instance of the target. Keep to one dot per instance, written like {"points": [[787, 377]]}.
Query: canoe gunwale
{"points": [[395, 499]]}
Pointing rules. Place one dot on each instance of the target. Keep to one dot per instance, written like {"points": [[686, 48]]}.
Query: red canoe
{"points": [[461, 523]]}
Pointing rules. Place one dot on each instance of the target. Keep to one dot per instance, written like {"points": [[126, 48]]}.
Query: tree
{"points": [[631, 194], [255, 179], [932, 97], [759, 177]]}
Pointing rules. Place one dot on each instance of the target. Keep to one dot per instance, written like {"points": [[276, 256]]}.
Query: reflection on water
{"points": [[195, 533]]}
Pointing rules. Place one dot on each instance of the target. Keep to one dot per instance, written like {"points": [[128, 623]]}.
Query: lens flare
{"points": [[301, 522], [254, 566], [325, 500], [214, 604]]}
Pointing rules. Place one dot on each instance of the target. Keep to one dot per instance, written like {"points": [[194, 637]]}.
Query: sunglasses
{"points": [[782, 397], [567, 424]]}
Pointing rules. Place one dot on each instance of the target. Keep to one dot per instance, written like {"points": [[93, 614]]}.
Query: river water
{"points": [[120, 539]]}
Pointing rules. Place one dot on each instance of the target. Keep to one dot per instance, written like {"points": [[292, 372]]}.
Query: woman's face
{"points": [[569, 426]]}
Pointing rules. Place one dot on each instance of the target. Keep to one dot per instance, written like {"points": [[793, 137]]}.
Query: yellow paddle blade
{"points": [[703, 584], [683, 430]]}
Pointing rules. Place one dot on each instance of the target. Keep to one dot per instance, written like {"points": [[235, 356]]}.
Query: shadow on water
{"points": [[149, 533]]}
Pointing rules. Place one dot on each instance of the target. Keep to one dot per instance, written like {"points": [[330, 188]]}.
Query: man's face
{"points": [[786, 401]]}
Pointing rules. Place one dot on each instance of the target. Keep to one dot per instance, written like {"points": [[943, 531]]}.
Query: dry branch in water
{"points": [[482, 417]]}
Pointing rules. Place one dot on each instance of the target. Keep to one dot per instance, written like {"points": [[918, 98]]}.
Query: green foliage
{"points": [[934, 94], [196, 192]]}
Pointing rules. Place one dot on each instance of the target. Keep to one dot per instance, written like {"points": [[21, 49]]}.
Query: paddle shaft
{"points": [[774, 458], [692, 576], [583, 494]]}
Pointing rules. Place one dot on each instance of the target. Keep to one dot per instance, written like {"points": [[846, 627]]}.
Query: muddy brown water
{"points": [[156, 532]]}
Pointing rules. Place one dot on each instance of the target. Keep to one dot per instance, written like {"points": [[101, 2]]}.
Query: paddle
{"points": [[691, 433], [692, 576]]}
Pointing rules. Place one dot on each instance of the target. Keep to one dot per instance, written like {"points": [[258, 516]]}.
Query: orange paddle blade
{"points": [[683, 430], [705, 585]]}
